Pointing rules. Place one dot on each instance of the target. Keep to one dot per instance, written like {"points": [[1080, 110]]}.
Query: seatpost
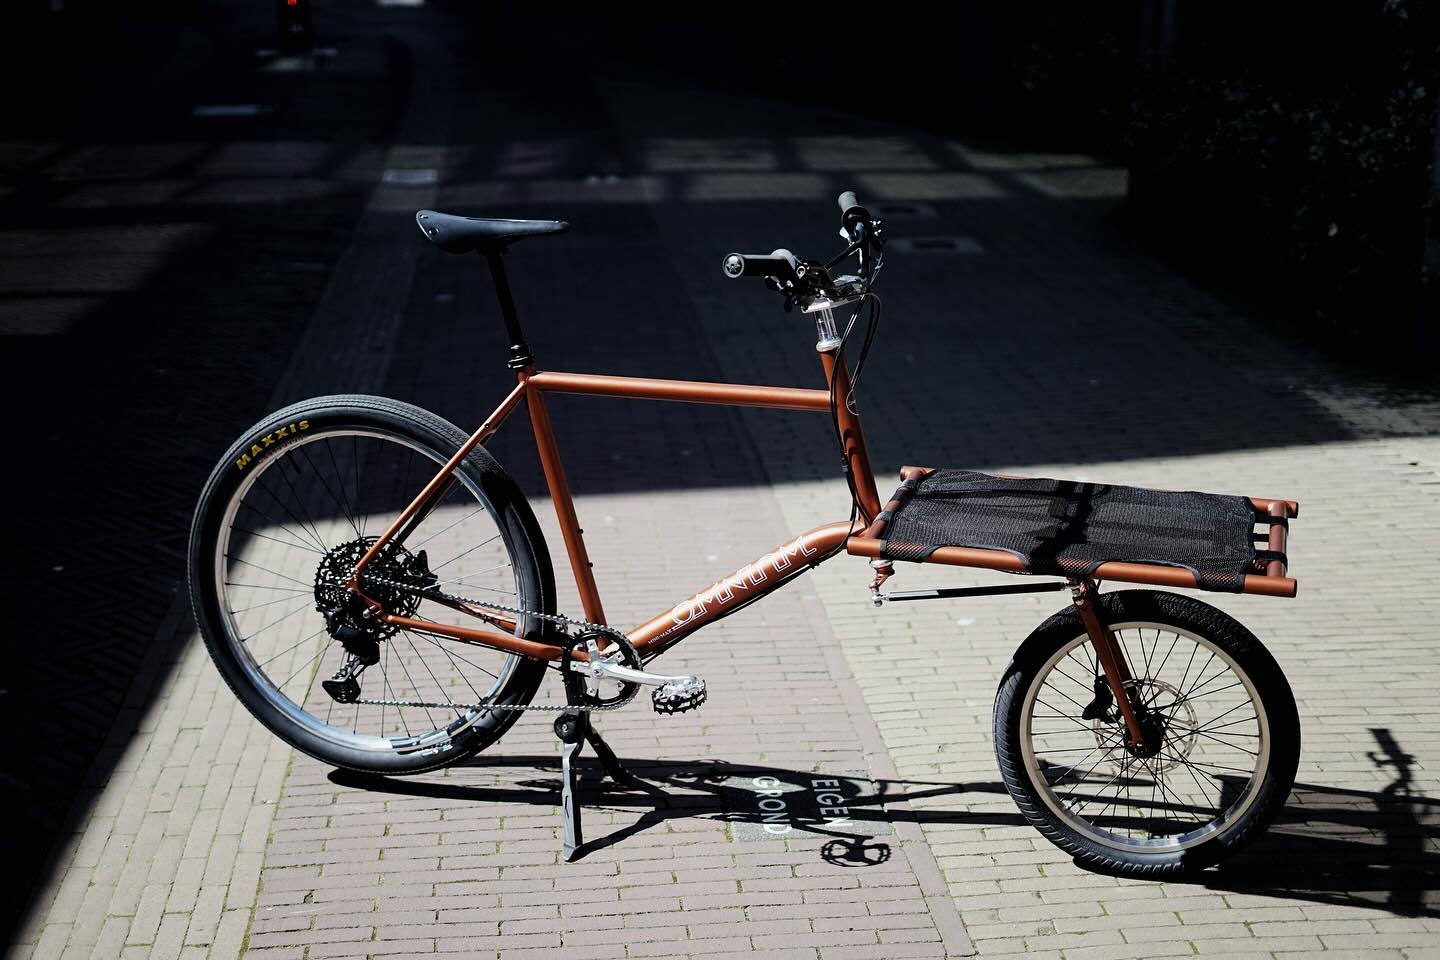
{"points": [[519, 349]]}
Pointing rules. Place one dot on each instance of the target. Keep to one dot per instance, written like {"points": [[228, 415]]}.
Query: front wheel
{"points": [[1220, 765], [283, 519]]}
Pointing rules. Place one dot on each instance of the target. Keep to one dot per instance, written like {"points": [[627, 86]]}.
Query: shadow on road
{"points": [[1335, 846]]}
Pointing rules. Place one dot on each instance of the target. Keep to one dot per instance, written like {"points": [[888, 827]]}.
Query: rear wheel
{"points": [[1225, 744], [285, 516]]}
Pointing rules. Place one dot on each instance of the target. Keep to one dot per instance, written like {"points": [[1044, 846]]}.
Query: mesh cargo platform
{"points": [[1073, 529]]}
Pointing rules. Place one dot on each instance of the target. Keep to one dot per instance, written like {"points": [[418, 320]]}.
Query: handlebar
{"points": [[782, 264], [788, 274], [854, 219]]}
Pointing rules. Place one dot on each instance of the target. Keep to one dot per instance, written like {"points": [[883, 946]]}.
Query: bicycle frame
{"points": [[767, 573]]}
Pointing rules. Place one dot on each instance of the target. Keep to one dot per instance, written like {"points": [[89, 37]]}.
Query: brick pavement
{"points": [[1158, 383], [1059, 351]]}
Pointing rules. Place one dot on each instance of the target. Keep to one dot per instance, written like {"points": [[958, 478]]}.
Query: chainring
{"points": [[581, 690]]}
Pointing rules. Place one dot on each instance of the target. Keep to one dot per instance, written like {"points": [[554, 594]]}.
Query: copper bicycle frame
{"points": [[770, 571]]}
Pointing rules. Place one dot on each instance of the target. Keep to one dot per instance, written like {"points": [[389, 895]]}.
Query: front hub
{"points": [[1152, 730]]}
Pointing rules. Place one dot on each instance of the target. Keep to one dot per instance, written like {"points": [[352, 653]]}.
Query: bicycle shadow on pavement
{"points": [[1331, 845], [848, 812], [1349, 847]]}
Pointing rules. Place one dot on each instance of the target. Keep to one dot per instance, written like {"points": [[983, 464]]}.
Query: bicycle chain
{"points": [[567, 622]]}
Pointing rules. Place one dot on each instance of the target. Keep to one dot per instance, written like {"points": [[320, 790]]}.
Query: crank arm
{"points": [[603, 670]]}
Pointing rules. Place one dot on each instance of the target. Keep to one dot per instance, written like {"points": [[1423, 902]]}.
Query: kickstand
{"points": [[573, 729]]}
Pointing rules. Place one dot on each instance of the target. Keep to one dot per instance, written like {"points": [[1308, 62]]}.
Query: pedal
{"points": [[679, 695]]}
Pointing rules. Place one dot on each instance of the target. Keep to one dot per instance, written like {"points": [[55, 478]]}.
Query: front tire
{"points": [[282, 519], [1229, 747]]}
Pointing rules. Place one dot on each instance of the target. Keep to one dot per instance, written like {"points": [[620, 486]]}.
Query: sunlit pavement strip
{"points": [[168, 859]]}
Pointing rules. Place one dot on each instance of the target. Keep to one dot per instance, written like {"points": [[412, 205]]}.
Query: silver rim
{"points": [[1208, 772], [299, 502]]}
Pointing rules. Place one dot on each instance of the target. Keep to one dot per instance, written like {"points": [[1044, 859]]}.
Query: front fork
{"points": [[1111, 657]]}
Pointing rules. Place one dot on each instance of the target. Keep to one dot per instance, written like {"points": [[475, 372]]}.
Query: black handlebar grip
{"points": [[853, 217], [780, 264]]}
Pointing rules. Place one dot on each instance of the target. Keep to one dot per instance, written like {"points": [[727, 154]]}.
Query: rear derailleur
{"points": [[352, 620]]}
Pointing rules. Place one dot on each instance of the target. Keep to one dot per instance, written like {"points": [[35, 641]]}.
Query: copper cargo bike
{"points": [[374, 587]]}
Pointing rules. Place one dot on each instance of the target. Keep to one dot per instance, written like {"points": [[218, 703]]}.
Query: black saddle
{"points": [[468, 234]]}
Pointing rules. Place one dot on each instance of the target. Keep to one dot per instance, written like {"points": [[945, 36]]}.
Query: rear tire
{"points": [[285, 514], [1231, 737]]}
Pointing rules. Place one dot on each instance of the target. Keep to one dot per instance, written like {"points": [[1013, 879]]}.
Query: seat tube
{"points": [[570, 529], [852, 437]]}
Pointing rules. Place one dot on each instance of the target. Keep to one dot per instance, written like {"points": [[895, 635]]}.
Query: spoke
{"points": [[314, 530], [1158, 778], [262, 666], [305, 604], [1211, 722], [1183, 700], [340, 482], [1194, 649], [1062, 716], [287, 543], [451, 654], [267, 603], [257, 586], [355, 464], [299, 500], [1070, 655], [1190, 770], [390, 695], [440, 687], [449, 527], [1191, 694], [1232, 723], [326, 485], [1124, 767], [1215, 733], [416, 687], [1146, 653], [498, 566], [1124, 647], [269, 519], [318, 655], [1213, 766], [465, 553], [273, 573], [1198, 674], [463, 676], [1232, 746], [1161, 669], [1063, 694], [1067, 676], [1093, 766]]}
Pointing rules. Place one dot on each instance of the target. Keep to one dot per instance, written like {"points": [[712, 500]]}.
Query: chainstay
{"points": [[433, 593]]}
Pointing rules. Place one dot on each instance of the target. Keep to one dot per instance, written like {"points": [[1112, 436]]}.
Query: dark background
{"points": [[1283, 153]]}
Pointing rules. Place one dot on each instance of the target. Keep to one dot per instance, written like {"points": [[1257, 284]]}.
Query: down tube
{"points": [[750, 582]]}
